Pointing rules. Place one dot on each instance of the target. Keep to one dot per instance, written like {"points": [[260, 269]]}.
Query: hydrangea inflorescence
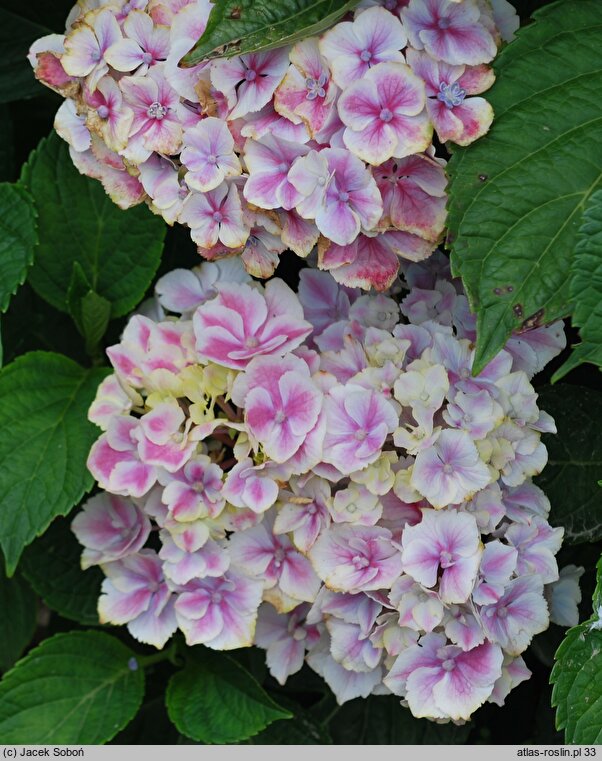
{"points": [[315, 473], [327, 143], [320, 475]]}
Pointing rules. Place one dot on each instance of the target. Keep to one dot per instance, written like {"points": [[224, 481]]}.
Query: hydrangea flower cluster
{"points": [[325, 144], [321, 475]]}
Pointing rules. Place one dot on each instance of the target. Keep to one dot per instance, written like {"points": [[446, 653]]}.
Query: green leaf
{"points": [[45, 438], [243, 26], [383, 720], [301, 731], [118, 251], [52, 566], [214, 700], [16, 75], [77, 687], [517, 195], [18, 238], [577, 692], [90, 312], [585, 289], [570, 479], [305, 728], [18, 619], [151, 725], [597, 596]]}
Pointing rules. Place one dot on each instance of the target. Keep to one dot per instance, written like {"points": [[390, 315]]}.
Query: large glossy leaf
{"points": [[577, 692], [215, 700], [90, 312], [118, 251], [242, 26], [570, 479], [517, 195], [18, 618], [45, 438], [18, 238], [305, 727], [52, 566], [81, 687], [585, 289]]}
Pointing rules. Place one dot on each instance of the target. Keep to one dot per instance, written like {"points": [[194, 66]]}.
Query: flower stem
{"points": [[170, 654], [231, 414]]}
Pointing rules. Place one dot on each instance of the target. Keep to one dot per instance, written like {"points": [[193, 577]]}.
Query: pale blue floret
{"points": [[452, 95], [315, 87]]}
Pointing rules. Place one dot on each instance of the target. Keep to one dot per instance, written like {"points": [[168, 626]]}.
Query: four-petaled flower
{"points": [[338, 192], [385, 115], [449, 31], [251, 78], [143, 45], [208, 154], [444, 549], [455, 115], [307, 92], [216, 215], [353, 47]]}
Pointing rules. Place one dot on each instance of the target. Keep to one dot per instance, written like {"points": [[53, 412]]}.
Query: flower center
{"points": [[217, 216], [216, 597], [299, 634], [386, 115], [444, 23], [502, 612], [147, 58], [447, 468], [343, 196], [280, 417], [279, 556], [449, 664], [315, 87], [359, 562], [451, 95], [252, 342], [361, 434], [365, 56], [156, 110], [103, 111], [212, 158], [312, 509], [250, 75], [199, 488], [445, 559]]}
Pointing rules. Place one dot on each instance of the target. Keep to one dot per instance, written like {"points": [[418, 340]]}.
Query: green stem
{"points": [[331, 716], [170, 654]]}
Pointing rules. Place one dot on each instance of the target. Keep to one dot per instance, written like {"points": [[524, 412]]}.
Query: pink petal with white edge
{"points": [[375, 266], [476, 115]]}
